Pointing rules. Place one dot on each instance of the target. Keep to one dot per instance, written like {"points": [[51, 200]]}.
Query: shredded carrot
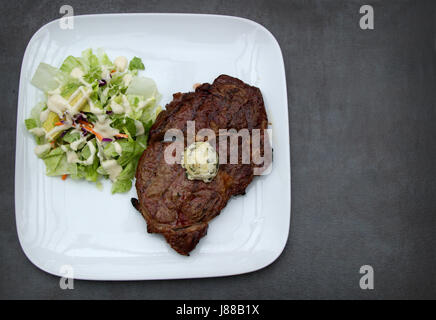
{"points": [[59, 123], [113, 71], [121, 135], [99, 137], [64, 177]]}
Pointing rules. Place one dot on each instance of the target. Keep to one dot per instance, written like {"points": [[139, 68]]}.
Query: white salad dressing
{"points": [[139, 128], [118, 148], [44, 115], [67, 123], [102, 126], [105, 73], [100, 153], [127, 78], [76, 73], [112, 168], [76, 144], [126, 105], [72, 157], [57, 104], [121, 108], [41, 149], [106, 91], [94, 109], [55, 91], [85, 93], [120, 63], [52, 133], [86, 84], [39, 132], [91, 158]]}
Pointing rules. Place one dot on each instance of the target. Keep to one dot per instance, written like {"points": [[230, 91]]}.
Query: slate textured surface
{"points": [[362, 128]]}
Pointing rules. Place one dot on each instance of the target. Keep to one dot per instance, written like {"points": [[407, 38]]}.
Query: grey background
{"points": [[363, 152]]}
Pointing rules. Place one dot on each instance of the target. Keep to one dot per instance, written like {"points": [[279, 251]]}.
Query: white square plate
{"points": [[72, 223]]}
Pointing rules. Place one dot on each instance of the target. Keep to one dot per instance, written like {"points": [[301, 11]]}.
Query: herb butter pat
{"points": [[200, 160]]}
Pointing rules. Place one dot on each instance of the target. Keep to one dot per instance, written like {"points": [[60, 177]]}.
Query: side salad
{"points": [[95, 121]]}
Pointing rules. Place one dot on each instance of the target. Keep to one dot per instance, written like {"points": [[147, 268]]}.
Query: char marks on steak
{"points": [[228, 103], [179, 208]]}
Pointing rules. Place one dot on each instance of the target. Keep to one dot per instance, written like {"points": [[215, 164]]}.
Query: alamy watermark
{"points": [[366, 22], [255, 146], [67, 279], [367, 280], [67, 20]]}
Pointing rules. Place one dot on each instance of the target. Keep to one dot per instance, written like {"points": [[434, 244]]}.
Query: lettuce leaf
{"points": [[136, 64], [124, 180], [124, 124], [103, 58], [141, 86], [121, 186], [72, 62], [30, 124], [57, 165], [94, 68], [47, 78], [71, 136]]}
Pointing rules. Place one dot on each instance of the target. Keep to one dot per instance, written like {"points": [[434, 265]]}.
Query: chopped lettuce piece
{"points": [[121, 186], [30, 124], [124, 180], [90, 58], [34, 122], [70, 63], [94, 68], [68, 89], [136, 64], [71, 136], [126, 125], [142, 86], [64, 167], [47, 78], [42, 150], [56, 163], [110, 151], [91, 173], [142, 140], [36, 112], [103, 58]]}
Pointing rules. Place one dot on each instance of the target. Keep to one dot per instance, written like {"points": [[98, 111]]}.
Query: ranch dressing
{"points": [[76, 73], [112, 168], [41, 149], [102, 126], [120, 63], [118, 148]]}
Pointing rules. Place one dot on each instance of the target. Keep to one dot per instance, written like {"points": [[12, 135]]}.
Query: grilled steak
{"points": [[173, 205], [228, 103]]}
